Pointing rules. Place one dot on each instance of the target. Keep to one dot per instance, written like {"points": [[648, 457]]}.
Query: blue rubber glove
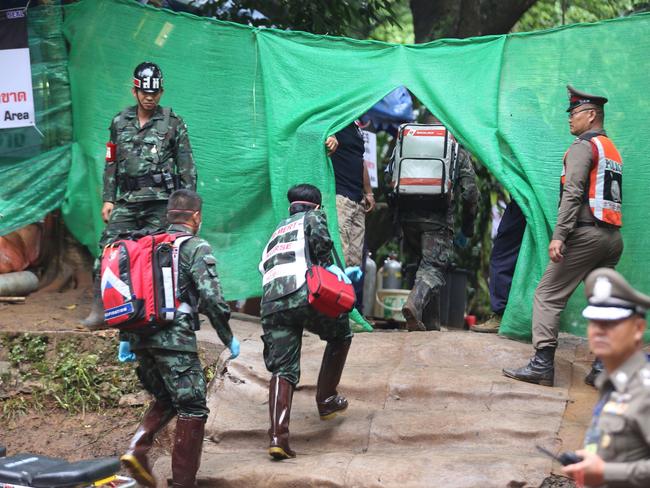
{"points": [[333, 268], [234, 348], [124, 354], [354, 273], [460, 240]]}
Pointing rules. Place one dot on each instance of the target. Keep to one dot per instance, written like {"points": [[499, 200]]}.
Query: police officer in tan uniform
{"points": [[617, 444], [586, 235]]}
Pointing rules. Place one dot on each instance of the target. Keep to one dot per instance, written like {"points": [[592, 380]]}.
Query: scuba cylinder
{"points": [[392, 273], [370, 280], [20, 283]]}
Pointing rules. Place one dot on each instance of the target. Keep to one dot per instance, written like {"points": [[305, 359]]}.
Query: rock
{"points": [[5, 367], [135, 399], [31, 386]]}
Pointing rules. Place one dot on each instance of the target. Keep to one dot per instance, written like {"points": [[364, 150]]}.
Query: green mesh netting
{"points": [[34, 164], [259, 104]]}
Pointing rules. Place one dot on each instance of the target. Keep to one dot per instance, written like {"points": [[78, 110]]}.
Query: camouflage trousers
{"points": [[351, 218], [129, 217], [174, 377], [283, 337], [434, 248]]}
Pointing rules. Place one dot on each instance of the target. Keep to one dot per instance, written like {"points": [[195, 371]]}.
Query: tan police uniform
{"points": [[620, 428], [590, 242]]}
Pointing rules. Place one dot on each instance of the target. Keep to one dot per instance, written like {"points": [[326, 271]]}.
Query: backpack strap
{"points": [[176, 246], [191, 308]]}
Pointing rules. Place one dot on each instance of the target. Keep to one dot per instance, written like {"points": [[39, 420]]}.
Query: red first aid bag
{"points": [[327, 294], [138, 281]]}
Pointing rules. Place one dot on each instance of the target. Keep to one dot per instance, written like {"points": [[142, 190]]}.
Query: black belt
{"points": [[131, 183], [602, 225]]}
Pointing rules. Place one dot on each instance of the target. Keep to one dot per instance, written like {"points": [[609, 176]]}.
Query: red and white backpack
{"points": [[139, 282]]}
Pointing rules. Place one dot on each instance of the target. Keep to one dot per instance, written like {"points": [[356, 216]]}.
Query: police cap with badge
{"points": [[611, 297], [577, 98]]}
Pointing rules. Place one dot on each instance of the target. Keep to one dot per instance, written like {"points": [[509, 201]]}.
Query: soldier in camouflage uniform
{"points": [[168, 363], [148, 156], [286, 312], [430, 234]]}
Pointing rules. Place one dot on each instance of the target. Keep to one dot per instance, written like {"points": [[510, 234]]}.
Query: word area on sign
{"points": [[16, 115]]}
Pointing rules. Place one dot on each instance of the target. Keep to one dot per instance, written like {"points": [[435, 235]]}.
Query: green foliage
{"points": [[74, 380], [400, 31], [546, 14], [28, 349], [210, 372], [355, 18], [13, 408], [88, 381]]}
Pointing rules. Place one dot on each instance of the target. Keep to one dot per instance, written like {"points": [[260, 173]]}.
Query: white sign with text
{"points": [[16, 100], [370, 156]]}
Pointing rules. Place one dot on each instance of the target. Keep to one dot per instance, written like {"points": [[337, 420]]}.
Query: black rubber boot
{"points": [[596, 369], [95, 319], [412, 309], [328, 400], [431, 313], [540, 369]]}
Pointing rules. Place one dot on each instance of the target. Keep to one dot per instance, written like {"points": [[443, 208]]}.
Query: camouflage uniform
{"points": [[429, 232], [169, 367], [150, 162], [285, 318]]}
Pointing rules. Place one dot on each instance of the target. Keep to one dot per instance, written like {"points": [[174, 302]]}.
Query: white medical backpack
{"points": [[423, 164]]}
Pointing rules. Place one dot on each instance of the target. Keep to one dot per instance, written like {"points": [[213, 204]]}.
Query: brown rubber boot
{"points": [[329, 402], [135, 458], [186, 456], [95, 319], [280, 396], [412, 309]]}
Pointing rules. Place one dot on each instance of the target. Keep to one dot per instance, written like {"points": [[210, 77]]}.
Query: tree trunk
{"points": [[435, 19]]}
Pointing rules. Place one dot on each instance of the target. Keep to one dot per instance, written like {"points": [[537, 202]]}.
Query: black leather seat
{"points": [[45, 472]]}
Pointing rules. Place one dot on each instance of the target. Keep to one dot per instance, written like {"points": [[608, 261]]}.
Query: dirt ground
{"points": [[47, 311], [54, 432]]}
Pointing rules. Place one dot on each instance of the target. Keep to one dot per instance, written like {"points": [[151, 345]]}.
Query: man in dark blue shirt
{"points": [[354, 197]]}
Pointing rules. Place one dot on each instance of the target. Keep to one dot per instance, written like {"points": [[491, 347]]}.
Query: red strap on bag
{"points": [[326, 294]]}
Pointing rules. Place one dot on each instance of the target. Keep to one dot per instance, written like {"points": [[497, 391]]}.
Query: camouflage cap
{"points": [[611, 297], [577, 98]]}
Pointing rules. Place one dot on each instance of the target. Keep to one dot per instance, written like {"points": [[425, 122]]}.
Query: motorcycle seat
{"points": [[46, 472]]}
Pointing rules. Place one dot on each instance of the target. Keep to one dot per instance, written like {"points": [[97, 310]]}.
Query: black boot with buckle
{"points": [[540, 369]]}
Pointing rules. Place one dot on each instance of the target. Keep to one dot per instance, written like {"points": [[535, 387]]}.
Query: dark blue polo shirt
{"points": [[348, 163]]}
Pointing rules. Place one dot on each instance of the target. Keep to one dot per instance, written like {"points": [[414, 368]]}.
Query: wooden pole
{"points": [[12, 299]]}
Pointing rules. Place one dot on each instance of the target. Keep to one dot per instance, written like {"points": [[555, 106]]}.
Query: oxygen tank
{"points": [[369, 282], [18, 284], [392, 273]]}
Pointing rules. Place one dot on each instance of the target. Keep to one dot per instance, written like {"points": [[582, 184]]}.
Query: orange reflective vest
{"points": [[604, 187]]}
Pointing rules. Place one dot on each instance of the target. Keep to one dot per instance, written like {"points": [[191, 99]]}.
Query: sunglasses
{"points": [[572, 114]]}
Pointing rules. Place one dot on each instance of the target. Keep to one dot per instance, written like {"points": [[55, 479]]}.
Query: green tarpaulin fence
{"points": [[259, 104], [35, 163]]}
